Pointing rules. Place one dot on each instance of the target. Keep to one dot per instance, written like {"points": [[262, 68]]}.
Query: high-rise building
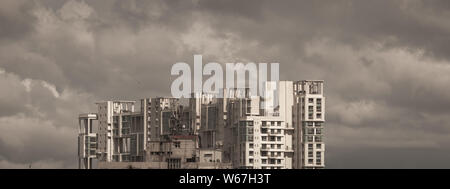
{"points": [[87, 140], [261, 129], [158, 114], [281, 129], [309, 120], [106, 111], [128, 137]]}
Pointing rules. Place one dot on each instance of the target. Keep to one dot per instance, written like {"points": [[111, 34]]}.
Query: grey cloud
{"points": [[385, 64], [33, 140], [390, 158], [292, 23], [11, 96], [15, 19]]}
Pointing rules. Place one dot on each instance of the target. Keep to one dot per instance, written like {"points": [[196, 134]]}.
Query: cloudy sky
{"points": [[386, 65]]}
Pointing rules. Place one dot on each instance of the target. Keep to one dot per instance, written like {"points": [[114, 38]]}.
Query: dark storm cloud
{"points": [[14, 19], [385, 64], [407, 24], [10, 98]]}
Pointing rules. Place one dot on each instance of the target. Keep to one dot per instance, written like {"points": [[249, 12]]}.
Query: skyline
{"points": [[281, 128], [386, 65]]}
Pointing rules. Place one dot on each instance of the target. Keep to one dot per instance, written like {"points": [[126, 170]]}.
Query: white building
{"points": [[261, 129], [309, 119], [275, 132], [128, 137], [283, 129], [156, 113], [87, 140], [106, 111]]}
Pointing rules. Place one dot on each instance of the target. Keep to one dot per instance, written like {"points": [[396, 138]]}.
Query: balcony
{"points": [[274, 156], [275, 114], [274, 133], [272, 142], [289, 149], [289, 128], [267, 148], [272, 149]]}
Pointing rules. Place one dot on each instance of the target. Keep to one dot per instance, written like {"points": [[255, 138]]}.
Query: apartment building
{"points": [[283, 129], [309, 121], [261, 129], [128, 137], [106, 111], [87, 140], [174, 152]]}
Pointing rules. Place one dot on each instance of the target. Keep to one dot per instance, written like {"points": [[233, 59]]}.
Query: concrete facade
{"points": [[281, 130]]}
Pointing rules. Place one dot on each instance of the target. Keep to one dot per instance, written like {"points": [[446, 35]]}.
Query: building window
{"points": [[192, 159], [250, 153], [264, 153], [176, 144], [311, 100], [250, 130], [318, 138], [319, 146], [264, 130], [310, 146], [174, 163], [272, 161], [272, 139], [318, 131]]}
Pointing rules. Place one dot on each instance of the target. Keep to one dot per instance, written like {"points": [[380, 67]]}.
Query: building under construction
{"points": [[282, 130]]}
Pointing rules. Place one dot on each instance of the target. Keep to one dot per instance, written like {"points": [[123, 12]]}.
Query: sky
{"points": [[385, 63]]}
